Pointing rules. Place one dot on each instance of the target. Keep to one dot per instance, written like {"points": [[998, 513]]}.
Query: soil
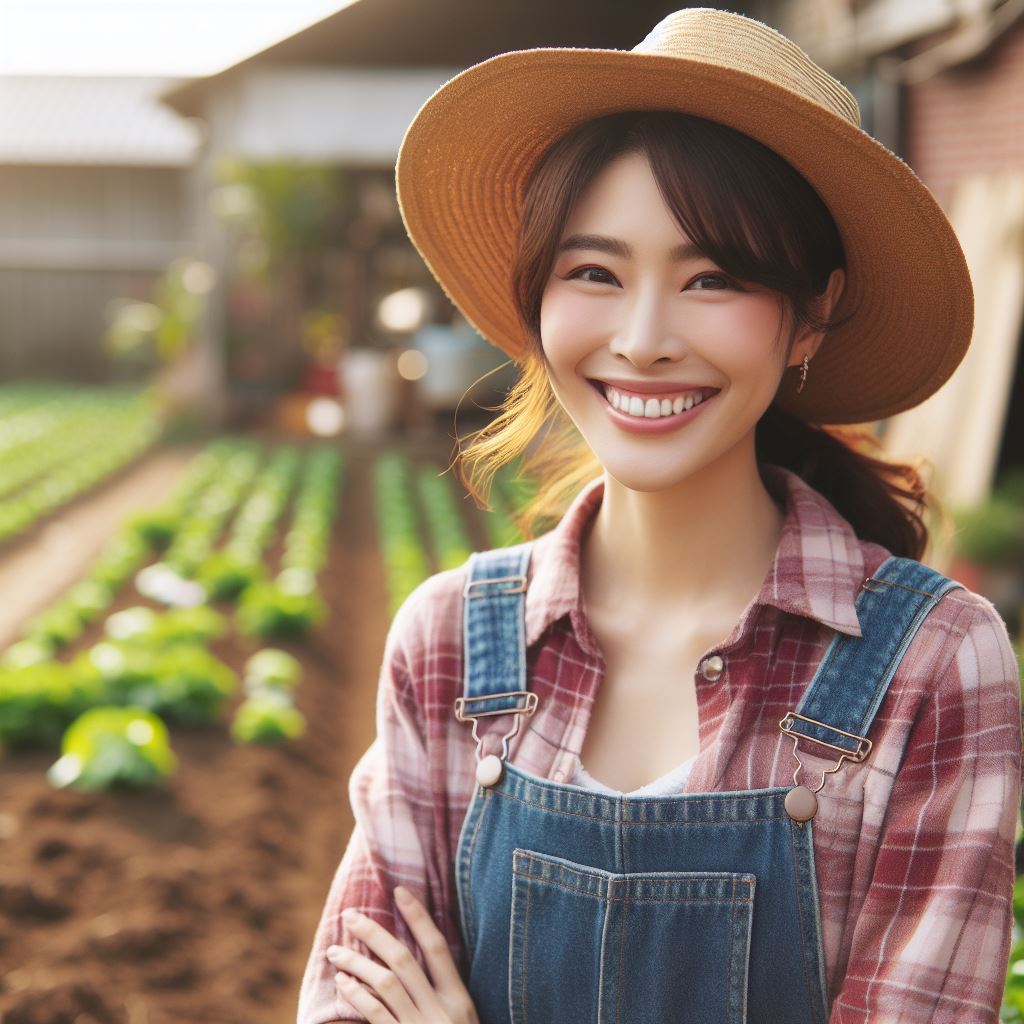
{"points": [[42, 563], [198, 901]]}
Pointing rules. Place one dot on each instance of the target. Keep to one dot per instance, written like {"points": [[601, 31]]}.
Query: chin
{"points": [[636, 476]]}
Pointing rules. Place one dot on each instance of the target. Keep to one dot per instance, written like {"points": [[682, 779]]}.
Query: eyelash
{"points": [[727, 281]]}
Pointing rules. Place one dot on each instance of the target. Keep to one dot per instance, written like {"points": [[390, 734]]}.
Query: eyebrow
{"points": [[616, 247]]}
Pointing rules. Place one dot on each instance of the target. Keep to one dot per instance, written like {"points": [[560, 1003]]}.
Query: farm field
{"points": [[196, 900]]}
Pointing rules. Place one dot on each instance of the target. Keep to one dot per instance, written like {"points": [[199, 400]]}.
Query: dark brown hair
{"points": [[756, 217]]}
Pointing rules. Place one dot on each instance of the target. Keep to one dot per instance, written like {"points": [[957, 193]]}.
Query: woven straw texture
{"points": [[465, 158]]}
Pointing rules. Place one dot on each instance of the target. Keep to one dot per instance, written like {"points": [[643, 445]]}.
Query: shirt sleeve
{"points": [[395, 837], [932, 939]]}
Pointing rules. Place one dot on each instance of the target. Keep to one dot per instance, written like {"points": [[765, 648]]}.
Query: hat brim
{"points": [[465, 158]]}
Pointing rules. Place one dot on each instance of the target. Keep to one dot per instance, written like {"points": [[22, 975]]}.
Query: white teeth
{"points": [[652, 408]]}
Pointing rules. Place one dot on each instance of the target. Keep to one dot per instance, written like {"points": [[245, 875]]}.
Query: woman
{"points": [[666, 239]]}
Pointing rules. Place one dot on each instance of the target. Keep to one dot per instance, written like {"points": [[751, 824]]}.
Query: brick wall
{"points": [[968, 120]]}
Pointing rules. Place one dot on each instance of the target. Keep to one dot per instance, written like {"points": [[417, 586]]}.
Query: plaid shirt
{"points": [[914, 847]]}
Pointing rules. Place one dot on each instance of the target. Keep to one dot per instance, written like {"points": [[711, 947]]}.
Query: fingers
{"points": [[369, 1006], [430, 940], [451, 992], [401, 983], [385, 985]]}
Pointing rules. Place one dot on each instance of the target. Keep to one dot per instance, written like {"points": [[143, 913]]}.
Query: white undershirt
{"points": [[671, 782]]}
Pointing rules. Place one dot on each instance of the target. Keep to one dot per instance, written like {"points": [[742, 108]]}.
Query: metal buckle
{"points": [[528, 709], [496, 579], [844, 755], [890, 583], [854, 755]]}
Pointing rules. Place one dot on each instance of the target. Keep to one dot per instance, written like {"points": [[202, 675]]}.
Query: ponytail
{"points": [[884, 502]]}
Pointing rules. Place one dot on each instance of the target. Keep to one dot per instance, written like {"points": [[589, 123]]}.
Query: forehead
{"points": [[623, 199]]}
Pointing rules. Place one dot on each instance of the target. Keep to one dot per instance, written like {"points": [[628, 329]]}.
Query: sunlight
{"points": [[146, 37]]}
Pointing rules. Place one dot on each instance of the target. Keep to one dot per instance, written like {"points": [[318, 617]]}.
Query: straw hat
{"points": [[464, 161]]}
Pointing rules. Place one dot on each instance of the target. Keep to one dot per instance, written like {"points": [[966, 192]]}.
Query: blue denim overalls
{"points": [[582, 908]]}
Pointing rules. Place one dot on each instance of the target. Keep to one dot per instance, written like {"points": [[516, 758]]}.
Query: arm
{"points": [[932, 939], [398, 835]]}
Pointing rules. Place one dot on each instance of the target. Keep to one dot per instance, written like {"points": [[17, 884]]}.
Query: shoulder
{"points": [[429, 620], [432, 603], [431, 616], [963, 627], [962, 664], [965, 630]]}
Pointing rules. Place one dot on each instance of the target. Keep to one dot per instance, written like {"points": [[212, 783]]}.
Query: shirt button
{"points": [[711, 668]]}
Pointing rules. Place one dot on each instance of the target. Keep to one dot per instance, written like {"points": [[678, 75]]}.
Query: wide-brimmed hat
{"points": [[465, 159]]}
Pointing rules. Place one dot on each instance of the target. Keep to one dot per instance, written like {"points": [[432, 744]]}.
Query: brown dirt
{"points": [[41, 564], [198, 902]]}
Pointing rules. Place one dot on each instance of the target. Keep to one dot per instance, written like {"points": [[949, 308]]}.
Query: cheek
{"points": [[747, 339], [567, 323]]}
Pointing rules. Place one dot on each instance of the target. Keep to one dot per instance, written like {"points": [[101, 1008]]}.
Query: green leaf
{"points": [[107, 746]]}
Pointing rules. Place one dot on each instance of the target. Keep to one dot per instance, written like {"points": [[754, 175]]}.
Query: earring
{"points": [[803, 373]]}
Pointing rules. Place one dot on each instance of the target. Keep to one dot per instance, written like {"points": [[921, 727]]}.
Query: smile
{"points": [[652, 414]]}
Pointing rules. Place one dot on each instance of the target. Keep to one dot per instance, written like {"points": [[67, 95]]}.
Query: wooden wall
{"points": [[72, 239]]}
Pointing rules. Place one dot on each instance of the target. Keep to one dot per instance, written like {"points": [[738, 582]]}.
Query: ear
{"points": [[808, 342]]}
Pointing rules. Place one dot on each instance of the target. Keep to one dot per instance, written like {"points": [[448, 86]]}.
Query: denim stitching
{"points": [[526, 942], [601, 962], [732, 949], [635, 899], [619, 981], [645, 824], [800, 916], [468, 866]]}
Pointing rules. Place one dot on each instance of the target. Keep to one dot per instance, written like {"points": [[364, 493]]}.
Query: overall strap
{"points": [[494, 634], [841, 701]]}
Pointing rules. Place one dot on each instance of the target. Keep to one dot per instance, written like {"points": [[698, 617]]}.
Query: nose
{"points": [[646, 333]]}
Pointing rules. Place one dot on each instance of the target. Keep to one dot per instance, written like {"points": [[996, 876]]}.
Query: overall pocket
{"points": [[588, 946]]}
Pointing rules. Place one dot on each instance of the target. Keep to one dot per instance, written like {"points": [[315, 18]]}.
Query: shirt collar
{"points": [[817, 570]]}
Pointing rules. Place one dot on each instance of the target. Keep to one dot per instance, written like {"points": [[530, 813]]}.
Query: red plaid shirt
{"points": [[914, 847]]}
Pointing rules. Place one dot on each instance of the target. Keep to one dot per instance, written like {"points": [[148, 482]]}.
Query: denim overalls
{"points": [[582, 908]]}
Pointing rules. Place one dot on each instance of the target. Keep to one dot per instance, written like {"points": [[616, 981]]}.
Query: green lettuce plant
{"points": [[272, 669], [267, 717], [37, 701], [268, 610], [113, 746], [183, 682]]}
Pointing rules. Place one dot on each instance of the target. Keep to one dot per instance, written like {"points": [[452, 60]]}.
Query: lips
{"points": [[648, 426]]}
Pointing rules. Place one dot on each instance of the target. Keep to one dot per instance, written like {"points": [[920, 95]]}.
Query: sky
{"points": [[145, 37]]}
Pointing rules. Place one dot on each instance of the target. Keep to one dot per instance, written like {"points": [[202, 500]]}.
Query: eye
{"points": [[580, 271], [713, 282]]}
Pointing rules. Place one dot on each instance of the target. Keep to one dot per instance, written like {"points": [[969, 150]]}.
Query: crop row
{"points": [[62, 445], [406, 547], [154, 667], [405, 561], [290, 604]]}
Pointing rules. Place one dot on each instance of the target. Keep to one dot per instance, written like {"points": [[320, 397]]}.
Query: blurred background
{"points": [[229, 394]]}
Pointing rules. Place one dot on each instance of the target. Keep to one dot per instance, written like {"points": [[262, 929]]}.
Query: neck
{"points": [[704, 544]]}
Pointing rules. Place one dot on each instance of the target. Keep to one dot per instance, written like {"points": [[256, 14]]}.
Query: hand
{"points": [[400, 993]]}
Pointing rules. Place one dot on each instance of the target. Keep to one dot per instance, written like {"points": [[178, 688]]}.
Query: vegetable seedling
{"points": [[110, 746], [267, 717]]}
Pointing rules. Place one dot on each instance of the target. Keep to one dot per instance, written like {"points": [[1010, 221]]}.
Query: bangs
{"points": [[745, 207]]}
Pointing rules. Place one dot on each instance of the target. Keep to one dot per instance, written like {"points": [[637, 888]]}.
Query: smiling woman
{"points": [[665, 240], [740, 235], [660, 296]]}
